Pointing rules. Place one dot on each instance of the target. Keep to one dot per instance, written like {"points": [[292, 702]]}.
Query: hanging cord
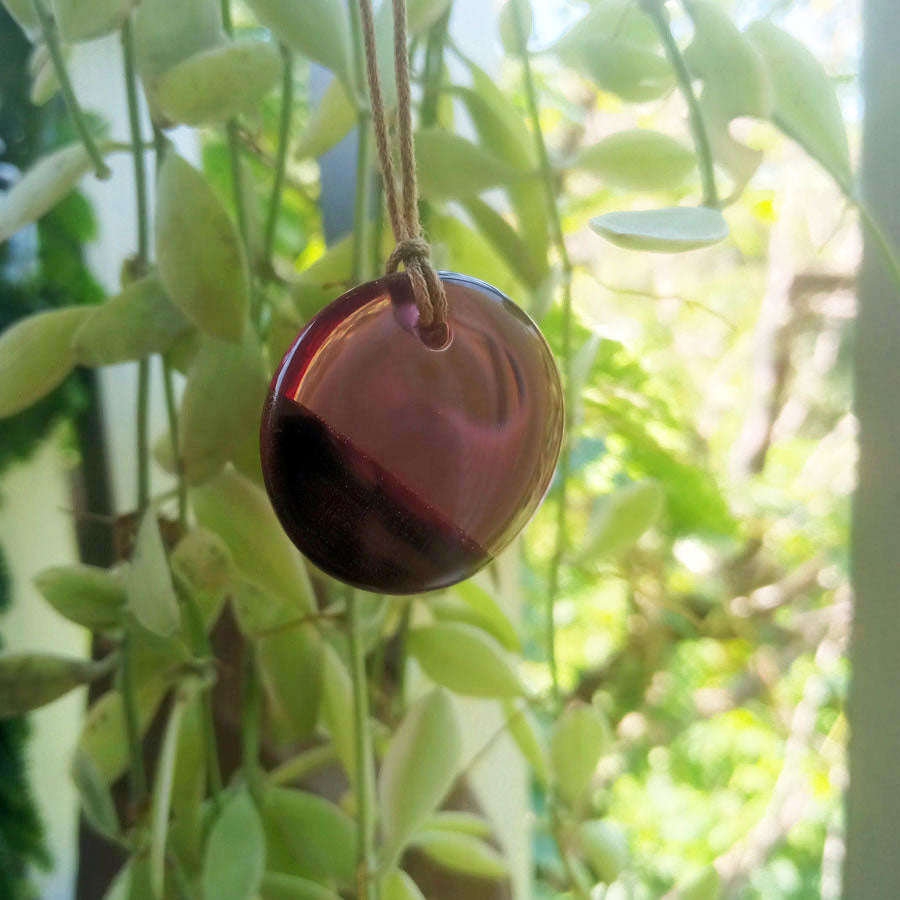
{"points": [[412, 250]]}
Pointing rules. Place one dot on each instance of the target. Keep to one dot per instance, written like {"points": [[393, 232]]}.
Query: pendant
{"points": [[400, 468]]}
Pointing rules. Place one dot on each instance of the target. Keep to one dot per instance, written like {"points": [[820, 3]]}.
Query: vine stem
{"points": [[137, 773], [546, 170], [363, 152], [143, 436], [202, 645], [656, 10], [234, 154], [250, 709], [365, 791], [51, 38], [143, 251], [284, 137]]}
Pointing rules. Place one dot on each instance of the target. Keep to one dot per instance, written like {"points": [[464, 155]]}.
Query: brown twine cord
{"points": [[412, 250]]}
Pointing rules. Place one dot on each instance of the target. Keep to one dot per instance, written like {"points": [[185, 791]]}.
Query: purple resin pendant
{"points": [[398, 468]]}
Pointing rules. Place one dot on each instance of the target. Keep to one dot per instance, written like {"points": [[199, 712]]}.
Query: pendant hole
{"points": [[437, 336]]}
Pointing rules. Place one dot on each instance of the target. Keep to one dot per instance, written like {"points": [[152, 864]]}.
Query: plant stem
{"points": [[143, 444], [656, 10], [363, 160], [172, 414], [559, 241], [234, 155], [201, 645], [365, 793], [143, 251], [284, 137], [137, 142], [51, 38], [137, 775], [250, 720]]}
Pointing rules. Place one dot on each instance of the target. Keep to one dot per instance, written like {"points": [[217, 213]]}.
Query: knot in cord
{"points": [[412, 250]]}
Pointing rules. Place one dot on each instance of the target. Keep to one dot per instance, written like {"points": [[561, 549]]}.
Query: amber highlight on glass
{"points": [[399, 468]]}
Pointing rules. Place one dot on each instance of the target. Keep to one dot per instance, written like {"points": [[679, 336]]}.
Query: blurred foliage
{"points": [[702, 606]]}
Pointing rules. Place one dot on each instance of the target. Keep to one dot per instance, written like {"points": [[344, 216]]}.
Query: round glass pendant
{"points": [[398, 467]]}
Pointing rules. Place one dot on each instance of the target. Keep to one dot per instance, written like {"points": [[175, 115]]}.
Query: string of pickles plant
{"points": [[303, 738]]}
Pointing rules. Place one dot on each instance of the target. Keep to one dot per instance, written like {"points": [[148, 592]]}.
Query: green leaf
{"points": [[619, 519], [219, 83], [86, 595], [505, 240], [50, 179], [199, 252], [189, 780], [331, 121], [467, 251], [151, 595], [96, 799], [464, 659], [419, 767], [103, 736], [805, 106], [451, 167], [257, 610], [489, 611], [84, 20], [161, 802], [240, 513], [735, 83], [397, 885], [458, 821], [235, 856], [136, 323], [167, 32], [605, 847], [422, 14], [290, 665], [23, 13], [44, 83], [506, 25], [309, 836], [461, 853], [278, 886], [500, 126], [702, 885], [615, 46], [525, 731], [671, 230], [316, 29], [133, 880], [212, 432], [576, 745], [202, 559], [638, 159], [35, 356], [31, 680]]}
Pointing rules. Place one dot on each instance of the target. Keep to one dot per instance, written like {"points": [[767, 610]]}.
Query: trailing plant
{"points": [[224, 274]]}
